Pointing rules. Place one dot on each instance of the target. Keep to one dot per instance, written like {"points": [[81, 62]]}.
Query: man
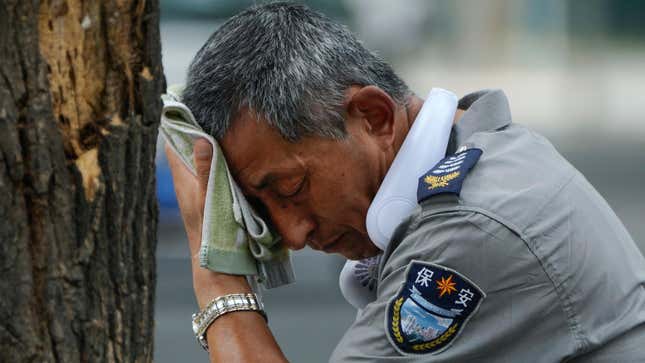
{"points": [[511, 257]]}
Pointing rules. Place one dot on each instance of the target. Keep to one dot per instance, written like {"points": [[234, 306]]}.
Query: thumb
{"points": [[203, 154]]}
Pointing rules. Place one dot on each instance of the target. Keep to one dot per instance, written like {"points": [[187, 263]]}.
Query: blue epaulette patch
{"points": [[431, 309], [448, 175]]}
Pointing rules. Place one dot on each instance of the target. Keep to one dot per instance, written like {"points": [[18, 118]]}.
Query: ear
{"points": [[375, 110]]}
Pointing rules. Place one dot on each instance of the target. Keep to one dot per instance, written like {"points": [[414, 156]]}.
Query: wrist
{"points": [[210, 284], [203, 320]]}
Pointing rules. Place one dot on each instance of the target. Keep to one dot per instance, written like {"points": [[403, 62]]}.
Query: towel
{"points": [[235, 239]]}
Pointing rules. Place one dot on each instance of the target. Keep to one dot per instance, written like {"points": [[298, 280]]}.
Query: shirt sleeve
{"points": [[520, 317]]}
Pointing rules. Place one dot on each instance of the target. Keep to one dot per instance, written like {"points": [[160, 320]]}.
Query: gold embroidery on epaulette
{"points": [[441, 180]]}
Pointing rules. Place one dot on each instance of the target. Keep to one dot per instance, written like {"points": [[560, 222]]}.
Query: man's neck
{"points": [[412, 109]]}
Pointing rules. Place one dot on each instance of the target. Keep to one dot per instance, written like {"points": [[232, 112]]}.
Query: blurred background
{"points": [[572, 70]]}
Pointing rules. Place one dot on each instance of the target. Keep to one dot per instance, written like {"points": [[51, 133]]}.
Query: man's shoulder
{"points": [[518, 172], [493, 187]]}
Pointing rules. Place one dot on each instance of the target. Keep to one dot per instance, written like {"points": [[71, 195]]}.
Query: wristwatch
{"points": [[220, 306]]}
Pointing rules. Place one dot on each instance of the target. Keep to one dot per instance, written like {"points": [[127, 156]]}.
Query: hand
{"points": [[190, 190]]}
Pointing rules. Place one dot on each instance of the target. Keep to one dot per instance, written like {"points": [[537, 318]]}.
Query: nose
{"points": [[294, 224]]}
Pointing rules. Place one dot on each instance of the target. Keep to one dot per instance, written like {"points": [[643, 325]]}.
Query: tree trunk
{"points": [[79, 109]]}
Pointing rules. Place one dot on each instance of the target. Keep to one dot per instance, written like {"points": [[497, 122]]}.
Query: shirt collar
{"points": [[486, 110]]}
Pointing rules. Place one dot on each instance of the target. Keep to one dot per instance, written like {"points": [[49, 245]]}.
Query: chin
{"points": [[363, 251]]}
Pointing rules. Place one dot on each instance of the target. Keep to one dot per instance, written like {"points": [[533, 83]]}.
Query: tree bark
{"points": [[79, 109]]}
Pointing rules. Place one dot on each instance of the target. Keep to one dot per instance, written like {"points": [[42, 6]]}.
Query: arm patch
{"points": [[431, 308]]}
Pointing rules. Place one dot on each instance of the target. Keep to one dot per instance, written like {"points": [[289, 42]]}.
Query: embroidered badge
{"points": [[448, 175], [431, 309]]}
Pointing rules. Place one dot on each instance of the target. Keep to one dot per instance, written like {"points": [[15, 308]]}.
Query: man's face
{"points": [[316, 191]]}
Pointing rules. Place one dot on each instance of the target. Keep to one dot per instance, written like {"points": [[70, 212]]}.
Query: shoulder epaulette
{"points": [[448, 175]]}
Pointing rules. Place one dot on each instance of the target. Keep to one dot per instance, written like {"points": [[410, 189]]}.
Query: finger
{"points": [[172, 158], [203, 152], [188, 197], [178, 169]]}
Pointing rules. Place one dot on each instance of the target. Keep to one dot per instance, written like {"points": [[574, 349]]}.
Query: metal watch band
{"points": [[220, 306]]}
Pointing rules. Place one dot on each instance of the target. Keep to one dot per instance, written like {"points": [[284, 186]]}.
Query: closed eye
{"points": [[292, 188]]}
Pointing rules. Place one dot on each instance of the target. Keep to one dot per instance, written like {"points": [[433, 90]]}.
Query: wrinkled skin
{"points": [[317, 191]]}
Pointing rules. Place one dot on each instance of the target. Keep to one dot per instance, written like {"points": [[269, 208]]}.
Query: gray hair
{"points": [[288, 65]]}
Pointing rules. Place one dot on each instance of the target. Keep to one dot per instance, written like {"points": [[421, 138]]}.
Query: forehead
{"points": [[253, 147]]}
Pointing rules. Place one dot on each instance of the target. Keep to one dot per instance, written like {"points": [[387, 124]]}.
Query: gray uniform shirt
{"points": [[563, 279]]}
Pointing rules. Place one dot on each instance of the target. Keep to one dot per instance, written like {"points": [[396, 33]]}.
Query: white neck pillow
{"points": [[424, 146]]}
